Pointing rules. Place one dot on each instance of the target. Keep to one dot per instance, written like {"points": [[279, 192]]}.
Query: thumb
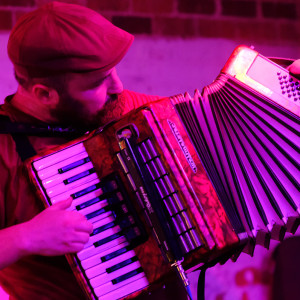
{"points": [[295, 67], [62, 205]]}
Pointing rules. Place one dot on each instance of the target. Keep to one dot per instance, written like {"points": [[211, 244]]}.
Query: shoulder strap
{"points": [[23, 146], [20, 131]]}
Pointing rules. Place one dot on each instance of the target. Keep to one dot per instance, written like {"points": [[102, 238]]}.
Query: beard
{"points": [[75, 114], [115, 108]]}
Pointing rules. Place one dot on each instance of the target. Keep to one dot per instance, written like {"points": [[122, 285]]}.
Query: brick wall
{"points": [[269, 21]]}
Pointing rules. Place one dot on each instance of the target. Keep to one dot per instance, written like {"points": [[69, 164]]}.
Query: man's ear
{"points": [[46, 95]]}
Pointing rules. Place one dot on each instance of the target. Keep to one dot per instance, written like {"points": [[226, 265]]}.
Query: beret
{"points": [[60, 37]]}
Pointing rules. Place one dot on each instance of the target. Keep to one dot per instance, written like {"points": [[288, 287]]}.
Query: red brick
{"points": [[42, 2], [257, 31], [239, 8], [239, 30], [5, 20], [17, 3], [279, 10], [182, 27], [196, 6], [111, 5], [153, 6], [133, 24], [216, 28]]}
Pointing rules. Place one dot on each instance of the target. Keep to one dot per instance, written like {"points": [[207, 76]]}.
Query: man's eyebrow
{"points": [[95, 81]]}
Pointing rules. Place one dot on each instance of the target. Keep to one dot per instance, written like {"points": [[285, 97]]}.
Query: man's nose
{"points": [[116, 85]]}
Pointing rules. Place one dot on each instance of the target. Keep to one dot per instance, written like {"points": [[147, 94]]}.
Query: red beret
{"points": [[60, 37]]}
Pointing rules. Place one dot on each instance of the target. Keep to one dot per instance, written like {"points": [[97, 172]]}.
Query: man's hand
{"points": [[294, 68], [56, 231]]}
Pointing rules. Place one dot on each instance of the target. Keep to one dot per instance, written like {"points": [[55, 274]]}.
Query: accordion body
{"points": [[182, 179]]}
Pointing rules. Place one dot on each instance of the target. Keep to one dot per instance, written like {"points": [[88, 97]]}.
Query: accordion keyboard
{"points": [[108, 260]]}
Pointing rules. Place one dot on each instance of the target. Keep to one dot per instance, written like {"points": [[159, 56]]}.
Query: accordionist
{"points": [[64, 58]]}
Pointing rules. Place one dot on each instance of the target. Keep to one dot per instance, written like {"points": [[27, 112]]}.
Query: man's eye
{"points": [[96, 84], [99, 82]]}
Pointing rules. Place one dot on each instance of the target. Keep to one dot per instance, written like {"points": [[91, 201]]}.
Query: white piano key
{"points": [[92, 250], [96, 259], [102, 235], [59, 156], [103, 222], [65, 195], [110, 287], [61, 188], [59, 178], [53, 169], [107, 277], [101, 267], [129, 288]]}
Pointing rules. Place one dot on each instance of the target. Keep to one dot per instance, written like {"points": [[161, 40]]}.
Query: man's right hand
{"points": [[56, 231]]}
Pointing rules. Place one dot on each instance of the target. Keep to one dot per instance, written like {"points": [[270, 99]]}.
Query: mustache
{"points": [[111, 98], [116, 107]]}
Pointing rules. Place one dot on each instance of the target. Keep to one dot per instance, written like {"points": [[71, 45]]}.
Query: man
{"points": [[64, 58]]}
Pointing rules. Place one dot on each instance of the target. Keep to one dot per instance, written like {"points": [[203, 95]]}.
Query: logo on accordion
{"points": [[182, 145]]}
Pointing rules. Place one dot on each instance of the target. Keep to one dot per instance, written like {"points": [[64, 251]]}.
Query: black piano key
{"points": [[127, 276], [88, 203], [74, 165], [98, 212], [124, 222], [103, 228], [130, 234], [122, 264], [79, 176], [86, 190], [106, 186], [112, 200], [108, 239], [115, 253]]}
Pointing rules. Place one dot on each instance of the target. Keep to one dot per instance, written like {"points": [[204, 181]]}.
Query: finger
{"points": [[79, 237], [75, 247], [84, 225], [295, 67], [62, 205]]}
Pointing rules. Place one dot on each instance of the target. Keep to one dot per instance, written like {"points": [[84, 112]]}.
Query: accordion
{"points": [[182, 181]]}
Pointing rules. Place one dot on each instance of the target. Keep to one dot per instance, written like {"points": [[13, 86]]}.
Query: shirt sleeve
{"points": [[17, 199]]}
